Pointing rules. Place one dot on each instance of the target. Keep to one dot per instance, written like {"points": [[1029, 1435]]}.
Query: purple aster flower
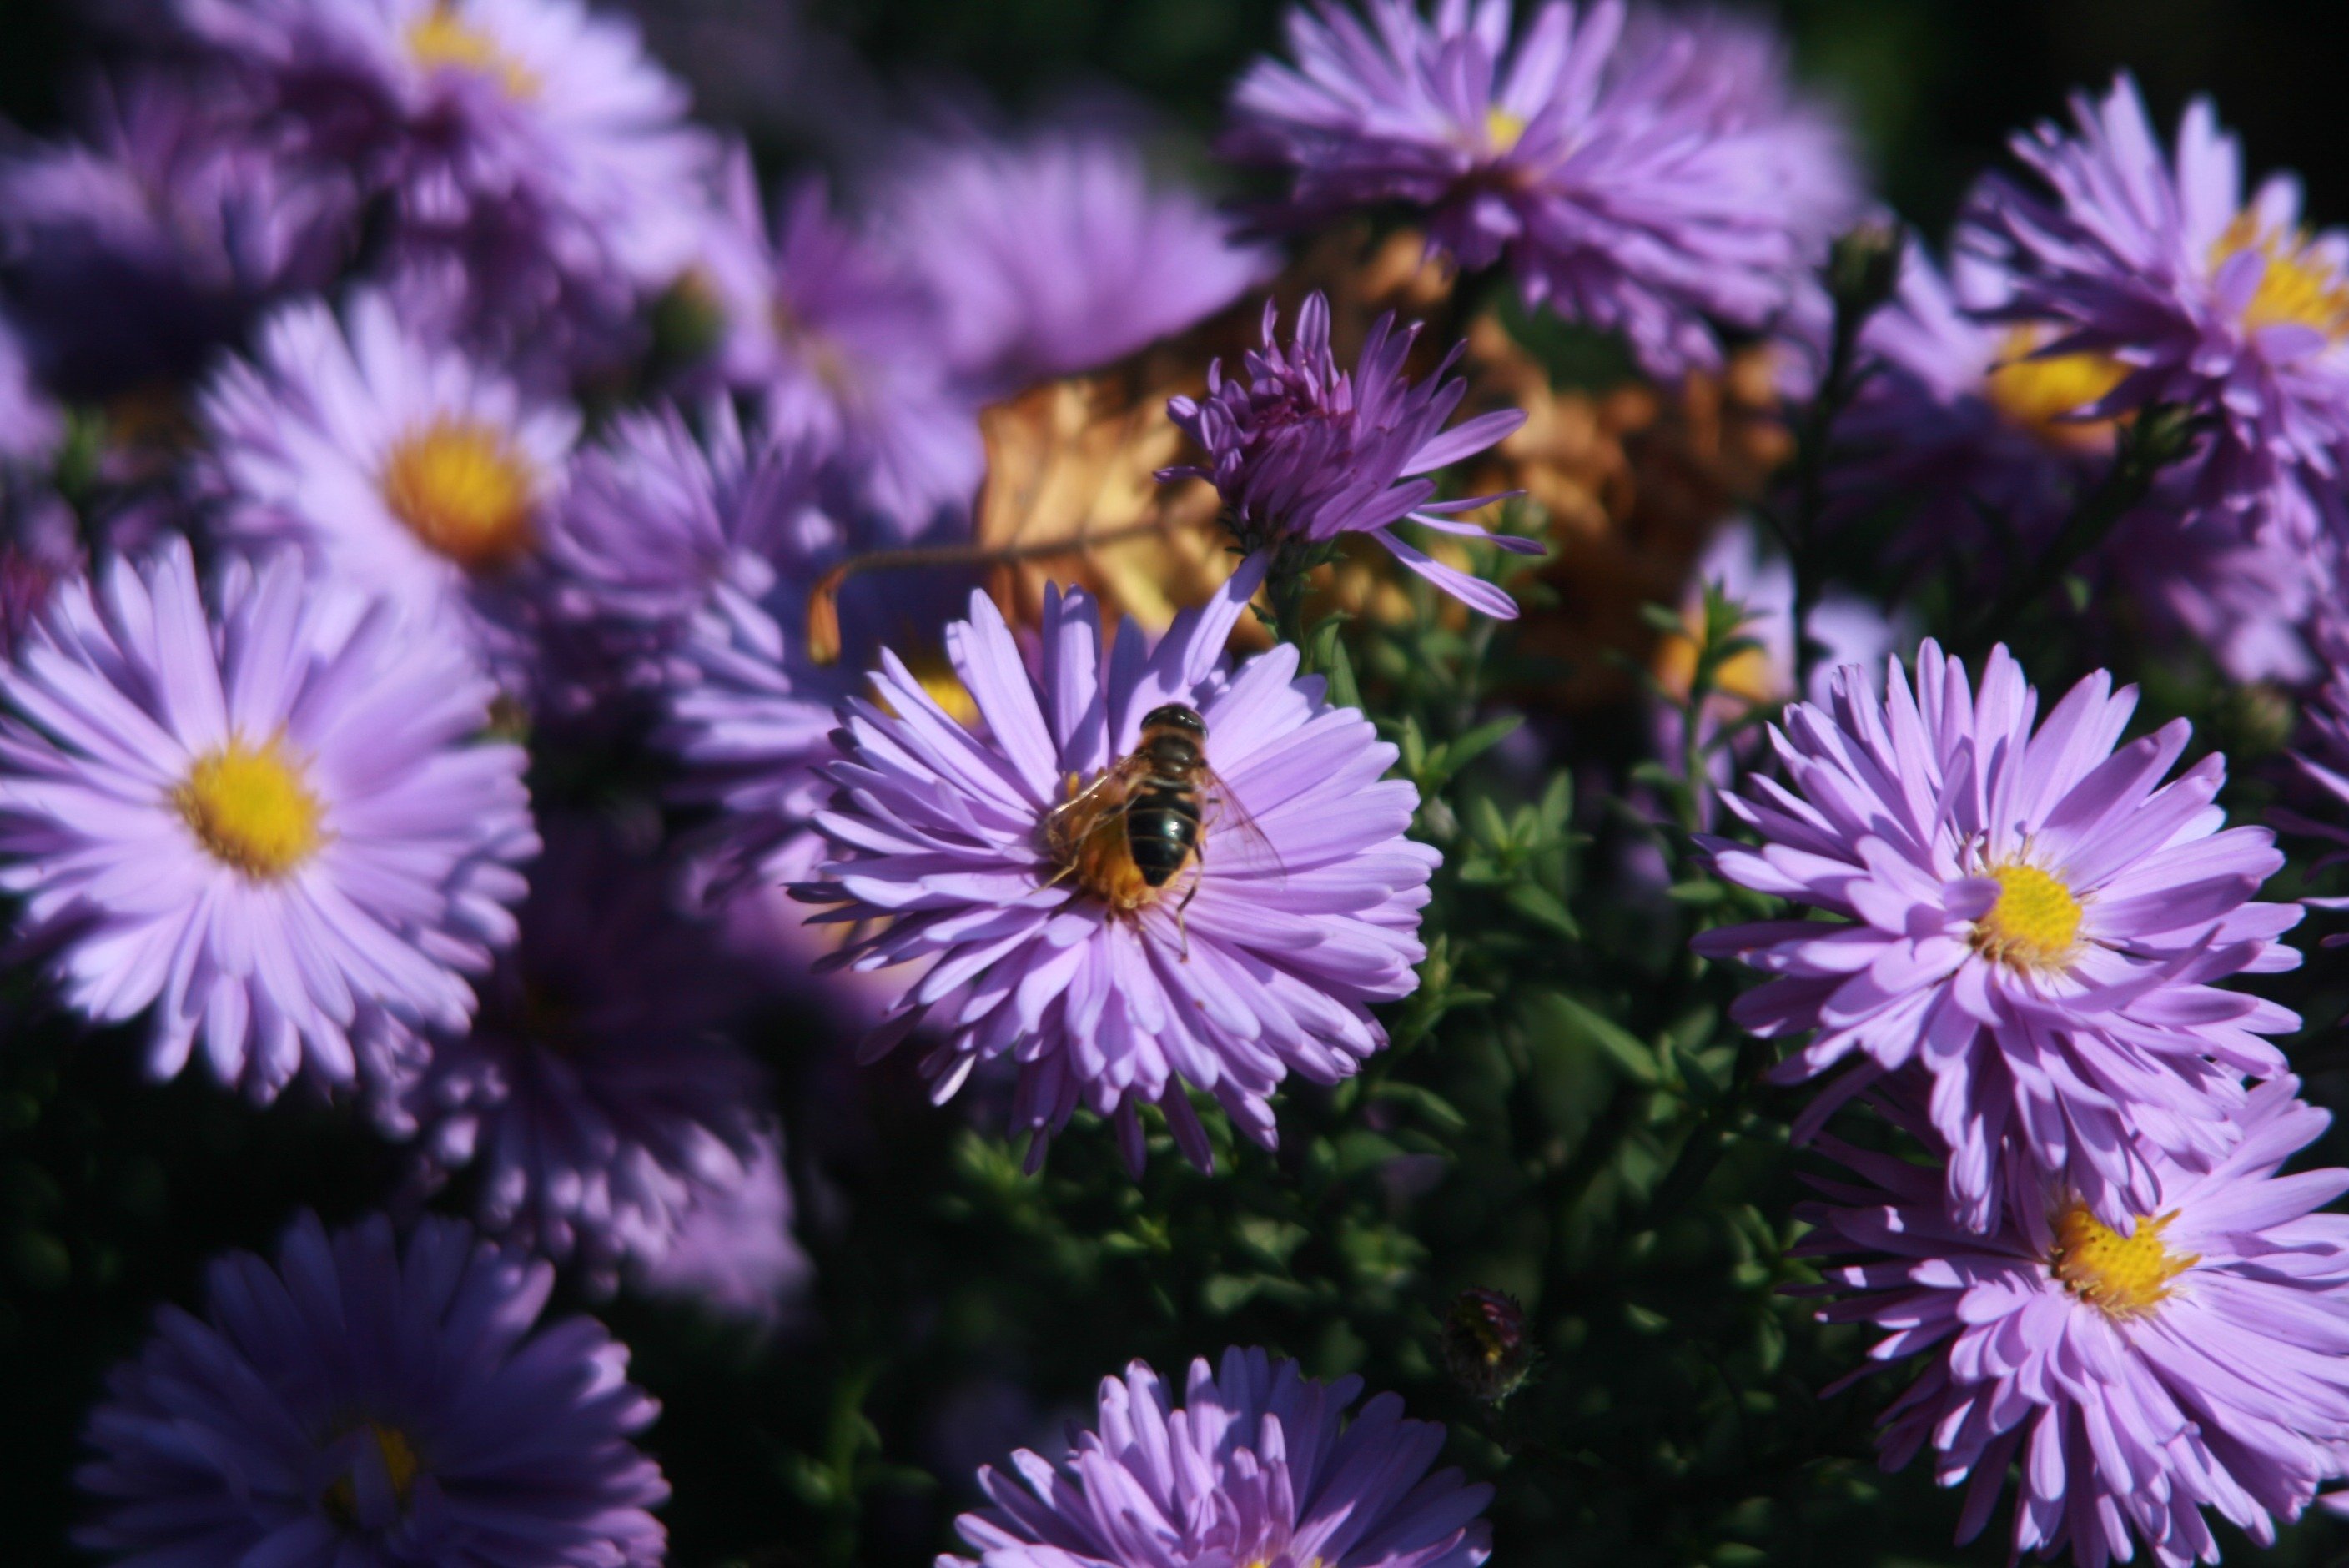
{"points": [[2224, 305], [1257, 959], [530, 151], [1980, 431], [1302, 451], [1258, 1465], [734, 1251], [2031, 914], [394, 461], [659, 525], [842, 342], [1967, 420], [1646, 174], [257, 824], [360, 1404], [597, 1094], [133, 256], [2195, 1355], [1056, 252]]}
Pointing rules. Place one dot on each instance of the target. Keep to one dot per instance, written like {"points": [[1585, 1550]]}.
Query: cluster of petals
{"points": [[1286, 933], [1303, 451], [2201, 295], [2026, 911], [1259, 1464], [362, 1402], [1641, 172], [840, 339], [598, 1097], [528, 151], [133, 254], [2132, 1379], [1988, 439], [307, 439], [266, 824], [1056, 250]]}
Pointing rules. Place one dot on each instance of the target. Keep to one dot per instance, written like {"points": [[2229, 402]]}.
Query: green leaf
{"points": [[1617, 1045]]}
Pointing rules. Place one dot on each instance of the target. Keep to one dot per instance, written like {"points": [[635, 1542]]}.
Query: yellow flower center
{"points": [[442, 40], [2034, 923], [1503, 128], [463, 490], [2036, 394], [2125, 1277], [2298, 287], [400, 1463], [250, 808]]}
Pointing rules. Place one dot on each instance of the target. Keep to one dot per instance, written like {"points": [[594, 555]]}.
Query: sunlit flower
{"points": [[1302, 451], [1256, 958], [2029, 912], [396, 463], [1258, 1465], [361, 1402], [259, 824], [2204, 295], [2194, 1356], [1645, 173]]}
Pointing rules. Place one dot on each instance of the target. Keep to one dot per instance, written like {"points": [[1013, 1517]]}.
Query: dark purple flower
{"points": [[2194, 1356], [1645, 173], [661, 527], [1261, 959], [844, 345], [528, 154], [134, 255], [1258, 1465], [359, 1403], [1302, 451], [2026, 911], [598, 1096]]}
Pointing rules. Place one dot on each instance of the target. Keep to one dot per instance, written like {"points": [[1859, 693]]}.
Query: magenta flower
{"points": [[2194, 1356], [2200, 294], [1258, 1465], [1086, 979], [359, 1402], [1645, 175], [259, 824], [1055, 251], [1302, 451], [2029, 913]]}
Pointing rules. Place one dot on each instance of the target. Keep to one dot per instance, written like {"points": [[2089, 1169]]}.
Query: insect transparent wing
{"points": [[1241, 847], [1075, 820]]}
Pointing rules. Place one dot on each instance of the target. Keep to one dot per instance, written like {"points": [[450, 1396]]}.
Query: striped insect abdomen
{"points": [[1161, 828]]}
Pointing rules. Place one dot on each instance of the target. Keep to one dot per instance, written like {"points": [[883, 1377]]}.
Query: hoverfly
{"points": [[1128, 835]]}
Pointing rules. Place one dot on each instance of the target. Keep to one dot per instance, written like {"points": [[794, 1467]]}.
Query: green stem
{"points": [[2149, 443]]}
